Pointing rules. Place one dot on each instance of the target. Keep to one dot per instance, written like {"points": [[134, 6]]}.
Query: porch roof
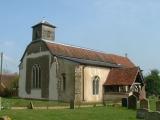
{"points": [[122, 76]]}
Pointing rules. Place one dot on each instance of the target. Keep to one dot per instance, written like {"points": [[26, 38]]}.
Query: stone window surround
{"points": [[36, 77], [95, 85]]}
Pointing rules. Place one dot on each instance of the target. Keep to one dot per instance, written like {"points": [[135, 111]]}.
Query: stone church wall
{"points": [[25, 90], [79, 75], [89, 73], [68, 68], [53, 82], [43, 61]]}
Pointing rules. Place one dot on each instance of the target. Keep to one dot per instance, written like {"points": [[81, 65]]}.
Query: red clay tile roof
{"points": [[122, 76], [7, 79], [81, 53]]}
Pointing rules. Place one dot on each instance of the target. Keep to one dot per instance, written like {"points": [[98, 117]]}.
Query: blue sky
{"points": [[113, 26]]}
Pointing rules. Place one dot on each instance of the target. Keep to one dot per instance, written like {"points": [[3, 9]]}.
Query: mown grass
{"points": [[110, 112], [96, 113], [18, 102]]}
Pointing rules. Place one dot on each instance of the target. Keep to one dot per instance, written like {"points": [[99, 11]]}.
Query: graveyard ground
{"points": [[97, 113], [92, 113]]}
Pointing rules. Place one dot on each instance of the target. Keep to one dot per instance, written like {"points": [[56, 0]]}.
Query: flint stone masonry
{"points": [[152, 116], [144, 104], [141, 113], [158, 106], [43, 61], [132, 102]]}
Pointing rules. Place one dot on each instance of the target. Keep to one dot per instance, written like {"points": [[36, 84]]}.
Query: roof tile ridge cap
{"points": [[124, 68], [116, 55], [74, 46]]}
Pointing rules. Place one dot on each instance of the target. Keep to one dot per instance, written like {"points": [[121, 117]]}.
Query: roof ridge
{"points": [[127, 67], [93, 50]]}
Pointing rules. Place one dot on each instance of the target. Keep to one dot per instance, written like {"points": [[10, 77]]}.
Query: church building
{"points": [[55, 71]]}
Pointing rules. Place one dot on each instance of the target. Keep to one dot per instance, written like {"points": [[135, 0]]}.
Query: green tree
{"points": [[153, 82]]}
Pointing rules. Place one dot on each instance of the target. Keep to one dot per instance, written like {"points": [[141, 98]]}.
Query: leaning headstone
{"points": [[72, 104], [132, 102], [30, 106], [124, 102], [5, 118], [141, 113], [158, 106], [144, 104]]}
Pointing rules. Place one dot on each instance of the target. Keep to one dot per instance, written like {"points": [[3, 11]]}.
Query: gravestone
{"points": [[152, 116], [144, 104], [30, 106], [141, 113], [104, 103], [158, 97], [124, 102], [158, 106], [72, 104], [132, 102]]}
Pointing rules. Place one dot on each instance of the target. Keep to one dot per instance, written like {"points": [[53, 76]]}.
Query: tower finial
{"points": [[126, 54], [43, 19]]}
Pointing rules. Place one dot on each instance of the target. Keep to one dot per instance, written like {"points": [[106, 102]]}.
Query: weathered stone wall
{"points": [[79, 83], [43, 62], [67, 67], [25, 90], [53, 82], [36, 48], [48, 33]]}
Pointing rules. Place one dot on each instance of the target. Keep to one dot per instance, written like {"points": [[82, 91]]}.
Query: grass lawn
{"points": [[96, 113], [93, 113], [17, 102]]}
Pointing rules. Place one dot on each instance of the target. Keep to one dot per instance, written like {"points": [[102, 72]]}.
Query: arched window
{"points": [[95, 84], [36, 76]]}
